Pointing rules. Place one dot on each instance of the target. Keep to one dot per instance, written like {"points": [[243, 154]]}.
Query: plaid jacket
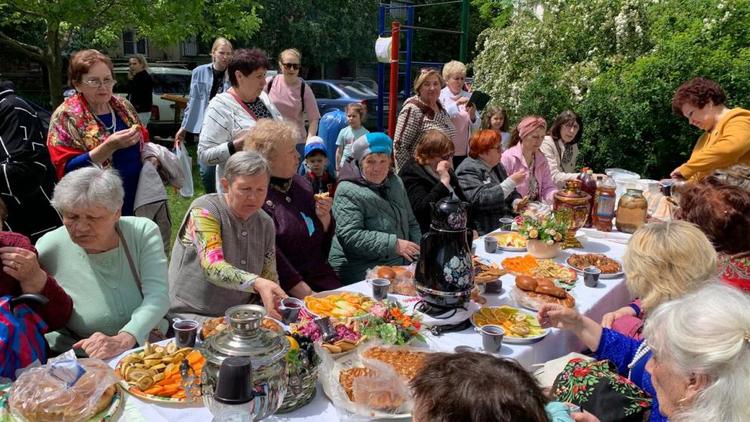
{"points": [[414, 119]]}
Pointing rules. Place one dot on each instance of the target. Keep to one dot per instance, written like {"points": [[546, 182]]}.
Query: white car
{"points": [[167, 80]]}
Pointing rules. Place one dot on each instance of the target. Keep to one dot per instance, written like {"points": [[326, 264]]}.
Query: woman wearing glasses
{"points": [[489, 189], [560, 147], [293, 98], [95, 127]]}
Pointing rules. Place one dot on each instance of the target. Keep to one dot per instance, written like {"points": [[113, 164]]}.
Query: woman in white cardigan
{"points": [[560, 147], [232, 114], [463, 114]]}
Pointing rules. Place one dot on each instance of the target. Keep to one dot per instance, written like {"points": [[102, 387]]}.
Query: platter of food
{"points": [[486, 272], [610, 268], [520, 326], [532, 292], [541, 268], [510, 241], [153, 372], [337, 304]]}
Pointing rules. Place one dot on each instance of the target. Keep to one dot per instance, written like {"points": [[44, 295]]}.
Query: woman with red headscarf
{"points": [[524, 155]]}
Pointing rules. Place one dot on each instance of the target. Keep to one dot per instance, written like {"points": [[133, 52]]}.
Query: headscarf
{"points": [[529, 124], [371, 143]]}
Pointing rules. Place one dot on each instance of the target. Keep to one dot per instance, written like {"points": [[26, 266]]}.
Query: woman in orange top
{"points": [[726, 141]]}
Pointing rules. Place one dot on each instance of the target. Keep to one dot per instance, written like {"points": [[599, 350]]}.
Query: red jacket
{"points": [[57, 312]]}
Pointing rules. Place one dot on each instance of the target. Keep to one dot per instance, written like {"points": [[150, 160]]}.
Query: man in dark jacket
{"points": [[27, 177]]}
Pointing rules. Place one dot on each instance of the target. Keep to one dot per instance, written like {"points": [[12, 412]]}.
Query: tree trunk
{"points": [[53, 61]]}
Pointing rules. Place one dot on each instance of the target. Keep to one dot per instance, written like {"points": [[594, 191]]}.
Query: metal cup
{"points": [[591, 276], [492, 338], [380, 288], [289, 308], [492, 287], [490, 244], [185, 332], [506, 224]]}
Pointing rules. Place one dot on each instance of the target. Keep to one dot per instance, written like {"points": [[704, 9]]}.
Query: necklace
{"points": [[109, 128], [642, 351]]}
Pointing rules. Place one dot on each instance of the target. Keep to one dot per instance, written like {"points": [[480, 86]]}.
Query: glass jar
{"points": [[631, 211]]}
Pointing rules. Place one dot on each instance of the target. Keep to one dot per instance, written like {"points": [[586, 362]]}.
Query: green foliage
{"points": [[66, 23], [325, 31], [618, 63]]}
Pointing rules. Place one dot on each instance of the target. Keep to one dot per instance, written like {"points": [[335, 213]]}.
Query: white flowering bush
{"points": [[617, 63]]}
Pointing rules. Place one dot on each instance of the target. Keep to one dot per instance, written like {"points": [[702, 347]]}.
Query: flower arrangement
{"points": [[549, 228]]}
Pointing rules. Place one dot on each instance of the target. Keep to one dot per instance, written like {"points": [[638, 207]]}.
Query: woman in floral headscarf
{"points": [[524, 154], [95, 126]]}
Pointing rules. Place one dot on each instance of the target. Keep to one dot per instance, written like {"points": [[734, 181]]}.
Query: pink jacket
{"points": [[513, 161]]}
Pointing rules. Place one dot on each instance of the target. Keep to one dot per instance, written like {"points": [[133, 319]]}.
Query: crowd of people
{"points": [[111, 285]]}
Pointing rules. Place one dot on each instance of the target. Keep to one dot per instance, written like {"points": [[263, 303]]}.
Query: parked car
{"points": [[333, 94], [167, 80]]}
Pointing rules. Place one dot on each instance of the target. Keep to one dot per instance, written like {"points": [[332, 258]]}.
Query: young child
{"points": [[496, 118], [355, 114], [316, 161]]}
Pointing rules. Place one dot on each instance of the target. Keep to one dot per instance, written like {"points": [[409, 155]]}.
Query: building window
{"points": [[133, 45]]}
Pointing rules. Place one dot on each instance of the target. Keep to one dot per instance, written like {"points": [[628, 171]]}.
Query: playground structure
{"points": [[408, 30]]}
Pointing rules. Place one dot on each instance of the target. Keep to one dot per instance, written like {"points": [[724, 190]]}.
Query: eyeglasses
{"points": [[294, 66], [98, 83], [446, 157]]}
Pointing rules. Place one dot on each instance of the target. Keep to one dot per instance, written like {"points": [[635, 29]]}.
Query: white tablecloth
{"points": [[592, 302]]}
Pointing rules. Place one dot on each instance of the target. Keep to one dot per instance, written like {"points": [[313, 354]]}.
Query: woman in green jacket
{"points": [[374, 221]]}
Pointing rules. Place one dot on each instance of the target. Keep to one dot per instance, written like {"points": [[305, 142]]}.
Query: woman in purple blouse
{"points": [[304, 226]]}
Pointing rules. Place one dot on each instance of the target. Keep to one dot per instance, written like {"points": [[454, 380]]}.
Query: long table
{"points": [[592, 302]]}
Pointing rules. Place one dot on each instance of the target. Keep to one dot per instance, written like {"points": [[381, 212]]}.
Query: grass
{"points": [[178, 205]]}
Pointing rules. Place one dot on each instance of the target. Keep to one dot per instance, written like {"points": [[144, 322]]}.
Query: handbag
{"points": [[595, 386], [155, 334]]}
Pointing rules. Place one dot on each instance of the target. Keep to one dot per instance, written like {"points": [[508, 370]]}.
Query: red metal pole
{"points": [[392, 95]]}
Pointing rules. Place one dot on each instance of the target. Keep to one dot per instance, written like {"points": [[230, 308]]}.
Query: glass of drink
{"points": [[490, 244], [185, 332], [380, 288], [289, 308], [506, 224], [492, 338]]}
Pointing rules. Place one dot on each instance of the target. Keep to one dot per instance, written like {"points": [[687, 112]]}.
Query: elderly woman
{"points": [[726, 140], [663, 261], [700, 367], [94, 126], [140, 87], [456, 102], [232, 114], [293, 97], [722, 211], [299, 218], [560, 147], [420, 113], [487, 186], [113, 267], [224, 254], [429, 176], [524, 155], [374, 221]]}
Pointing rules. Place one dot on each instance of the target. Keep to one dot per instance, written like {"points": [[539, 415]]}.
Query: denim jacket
{"points": [[200, 89]]}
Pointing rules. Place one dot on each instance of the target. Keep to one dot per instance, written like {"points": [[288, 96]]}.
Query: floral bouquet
{"points": [[549, 228]]}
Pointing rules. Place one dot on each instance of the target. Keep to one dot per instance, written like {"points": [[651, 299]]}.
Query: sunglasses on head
{"points": [[294, 66], [427, 70]]}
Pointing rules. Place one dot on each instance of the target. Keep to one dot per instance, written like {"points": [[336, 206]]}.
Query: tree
{"points": [[325, 31], [617, 63], [102, 21]]}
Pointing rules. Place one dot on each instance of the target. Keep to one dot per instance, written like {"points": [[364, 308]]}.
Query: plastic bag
{"points": [[379, 391], [400, 276], [186, 164], [67, 391]]}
